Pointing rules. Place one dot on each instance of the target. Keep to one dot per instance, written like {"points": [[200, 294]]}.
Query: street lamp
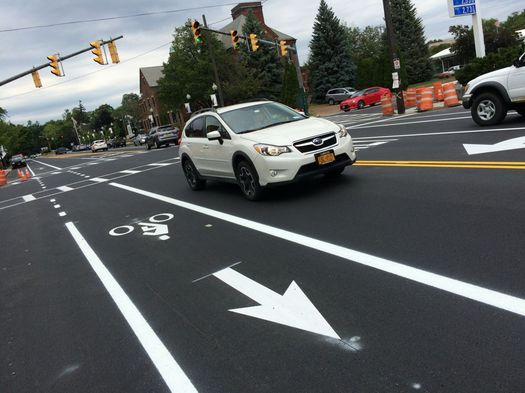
{"points": [[188, 97]]}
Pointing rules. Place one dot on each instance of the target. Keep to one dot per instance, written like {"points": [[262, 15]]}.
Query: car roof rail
{"points": [[202, 111], [254, 100]]}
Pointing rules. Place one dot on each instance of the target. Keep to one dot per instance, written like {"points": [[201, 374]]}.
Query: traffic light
{"points": [[113, 52], [54, 64], [235, 39], [97, 51], [36, 79], [282, 48], [195, 27], [254, 41]]}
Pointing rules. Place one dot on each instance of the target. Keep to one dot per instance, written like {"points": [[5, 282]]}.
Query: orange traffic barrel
{"points": [[438, 91], [386, 105], [410, 98], [449, 92], [426, 102], [3, 178]]}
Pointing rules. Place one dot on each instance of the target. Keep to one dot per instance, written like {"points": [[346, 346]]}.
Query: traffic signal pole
{"points": [[392, 47], [61, 58], [214, 66]]}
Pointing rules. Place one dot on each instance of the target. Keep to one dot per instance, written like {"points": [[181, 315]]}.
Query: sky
{"points": [[147, 40]]}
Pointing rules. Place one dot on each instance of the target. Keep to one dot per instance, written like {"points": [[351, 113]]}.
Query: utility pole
{"points": [[214, 65], [392, 48]]}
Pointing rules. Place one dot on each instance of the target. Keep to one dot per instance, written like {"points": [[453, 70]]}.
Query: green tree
{"points": [[290, 89], [102, 116], [410, 35], [189, 71], [330, 55], [264, 65], [515, 21], [59, 133], [3, 114]]}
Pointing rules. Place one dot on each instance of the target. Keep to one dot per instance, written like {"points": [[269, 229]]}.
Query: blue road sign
{"points": [[465, 9], [464, 2]]}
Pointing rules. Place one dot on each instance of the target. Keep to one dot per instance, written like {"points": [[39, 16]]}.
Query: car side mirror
{"points": [[517, 63], [214, 136]]}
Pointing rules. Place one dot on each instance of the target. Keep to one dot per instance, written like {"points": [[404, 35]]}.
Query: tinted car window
{"points": [[213, 124], [196, 129], [369, 91]]}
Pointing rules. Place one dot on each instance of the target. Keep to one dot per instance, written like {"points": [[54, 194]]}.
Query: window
{"points": [[370, 91], [213, 124], [196, 129]]}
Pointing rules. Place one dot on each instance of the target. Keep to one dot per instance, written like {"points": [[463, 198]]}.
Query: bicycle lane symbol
{"points": [[153, 227]]}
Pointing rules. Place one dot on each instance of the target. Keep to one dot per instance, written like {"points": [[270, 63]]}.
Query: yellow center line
{"points": [[436, 165]]}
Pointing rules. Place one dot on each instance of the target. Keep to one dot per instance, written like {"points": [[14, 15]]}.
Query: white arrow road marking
{"points": [[291, 309], [509, 144], [169, 369], [461, 288]]}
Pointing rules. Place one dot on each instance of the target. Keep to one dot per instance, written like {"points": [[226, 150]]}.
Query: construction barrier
{"points": [[438, 91], [387, 105], [3, 178], [426, 102], [451, 97], [410, 98]]}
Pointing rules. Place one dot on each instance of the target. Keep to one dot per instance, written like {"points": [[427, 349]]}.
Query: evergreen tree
{"points": [[290, 88], [411, 41], [330, 60], [264, 64]]}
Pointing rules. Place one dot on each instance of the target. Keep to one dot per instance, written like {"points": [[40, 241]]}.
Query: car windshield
{"points": [[17, 157], [358, 93], [259, 116]]}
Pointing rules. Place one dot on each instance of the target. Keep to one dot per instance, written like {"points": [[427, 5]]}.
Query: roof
{"points": [[238, 24], [443, 54], [152, 74]]}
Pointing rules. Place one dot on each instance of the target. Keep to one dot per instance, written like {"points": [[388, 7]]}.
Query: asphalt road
{"points": [[404, 274]]}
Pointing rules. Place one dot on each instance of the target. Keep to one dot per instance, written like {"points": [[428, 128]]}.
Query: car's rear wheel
{"points": [[192, 175], [488, 109], [331, 101], [248, 181], [360, 105]]}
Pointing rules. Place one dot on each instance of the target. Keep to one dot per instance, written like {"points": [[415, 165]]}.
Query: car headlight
{"points": [[342, 131], [271, 150]]}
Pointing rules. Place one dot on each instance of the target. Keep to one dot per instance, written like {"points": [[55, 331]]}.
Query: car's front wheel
{"points": [[360, 105], [192, 176], [488, 109], [248, 181]]}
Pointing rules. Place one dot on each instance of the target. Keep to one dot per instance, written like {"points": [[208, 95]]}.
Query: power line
{"points": [[85, 75], [116, 17]]}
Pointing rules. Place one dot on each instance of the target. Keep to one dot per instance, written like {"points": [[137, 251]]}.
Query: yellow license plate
{"points": [[325, 158]]}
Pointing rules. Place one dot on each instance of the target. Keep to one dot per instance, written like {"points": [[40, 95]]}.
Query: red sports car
{"points": [[362, 98]]}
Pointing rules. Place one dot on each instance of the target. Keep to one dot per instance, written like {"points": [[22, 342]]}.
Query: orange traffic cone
{"points": [[19, 174], [27, 174], [3, 178]]}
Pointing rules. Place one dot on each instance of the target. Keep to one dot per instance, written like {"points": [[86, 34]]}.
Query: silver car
{"points": [[339, 94]]}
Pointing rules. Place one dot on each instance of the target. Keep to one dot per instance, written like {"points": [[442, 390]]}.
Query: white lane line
{"points": [[98, 179], [62, 214], [460, 288], [448, 133], [30, 170], [52, 200], [159, 164], [49, 165], [168, 368], [57, 206], [129, 171], [56, 173], [64, 188], [412, 122], [28, 198]]}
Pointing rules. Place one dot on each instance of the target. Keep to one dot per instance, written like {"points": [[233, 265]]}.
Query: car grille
{"points": [[307, 145]]}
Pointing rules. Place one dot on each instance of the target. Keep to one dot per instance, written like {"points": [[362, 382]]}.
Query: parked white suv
{"points": [[259, 144], [491, 95], [99, 145]]}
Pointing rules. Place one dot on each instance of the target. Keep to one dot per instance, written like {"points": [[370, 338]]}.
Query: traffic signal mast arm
{"points": [[61, 58]]}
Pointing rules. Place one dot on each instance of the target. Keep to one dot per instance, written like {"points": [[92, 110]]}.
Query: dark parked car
{"points": [[18, 161], [117, 142], [162, 135], [61, 150]]}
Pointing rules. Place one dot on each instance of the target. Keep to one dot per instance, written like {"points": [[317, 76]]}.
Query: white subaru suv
{"points": [[260, 144]]}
